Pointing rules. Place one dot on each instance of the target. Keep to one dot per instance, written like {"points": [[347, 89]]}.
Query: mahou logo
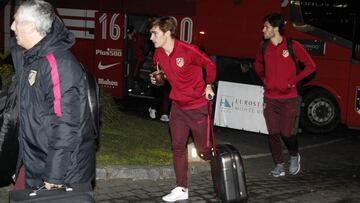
{"points": [[107, 82]]}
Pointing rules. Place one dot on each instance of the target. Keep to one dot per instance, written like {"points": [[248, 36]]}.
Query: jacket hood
{"points": [[60, 38]]}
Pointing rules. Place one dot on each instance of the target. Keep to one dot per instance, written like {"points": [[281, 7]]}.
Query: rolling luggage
{"points": [[228, 174], [81, 193]]}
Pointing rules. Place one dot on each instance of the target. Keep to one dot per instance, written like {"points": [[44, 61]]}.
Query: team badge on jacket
{"points": [[32, 77], [285, 53], [180, 62]]}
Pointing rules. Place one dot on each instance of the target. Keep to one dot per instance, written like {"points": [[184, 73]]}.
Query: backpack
{"points": [[93, 98], [299, 65], [9, 126], [93, 93]]}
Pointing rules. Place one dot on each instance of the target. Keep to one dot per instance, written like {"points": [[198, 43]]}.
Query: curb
{"points": [[146, 172]]}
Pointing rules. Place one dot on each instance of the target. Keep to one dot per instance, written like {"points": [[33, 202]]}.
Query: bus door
{"points": [[353, 115], [109, 52], [138, 85]]}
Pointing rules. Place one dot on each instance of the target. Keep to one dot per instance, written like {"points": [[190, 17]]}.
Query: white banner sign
{"points": [[240, 106]]}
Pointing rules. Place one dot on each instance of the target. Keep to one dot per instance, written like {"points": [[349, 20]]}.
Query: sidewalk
{"points": [[330, 174], [320, 185], [146, 172]]}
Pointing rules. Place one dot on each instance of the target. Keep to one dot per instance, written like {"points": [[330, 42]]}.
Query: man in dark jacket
{"points": [[56, 137]]}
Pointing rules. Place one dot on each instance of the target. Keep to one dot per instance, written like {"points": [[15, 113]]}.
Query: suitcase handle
{"points": [[42, 188], [210, 131]]}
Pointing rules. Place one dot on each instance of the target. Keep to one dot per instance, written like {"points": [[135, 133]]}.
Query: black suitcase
{"points": [[228, 174], [74, 194]]}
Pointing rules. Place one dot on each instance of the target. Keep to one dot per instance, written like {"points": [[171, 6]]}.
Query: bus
{"points": [[333, 30], [230, 32]]}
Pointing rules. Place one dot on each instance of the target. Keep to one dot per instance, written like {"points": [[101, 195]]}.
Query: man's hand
{"points": [[51, 185], [292, 82], [209, 93], [152, 78], [291, 86], [159, 80]]}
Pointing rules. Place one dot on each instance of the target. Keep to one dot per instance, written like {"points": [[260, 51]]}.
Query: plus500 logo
{"points": [[109, 52]]}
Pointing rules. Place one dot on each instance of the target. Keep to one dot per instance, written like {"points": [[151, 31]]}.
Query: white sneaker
{"points": [[178, 193], [278, 171], [294, 167], [152, 113], [164, 118]]}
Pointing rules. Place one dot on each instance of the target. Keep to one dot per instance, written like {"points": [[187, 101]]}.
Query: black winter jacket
{"points": [[56, 138]]}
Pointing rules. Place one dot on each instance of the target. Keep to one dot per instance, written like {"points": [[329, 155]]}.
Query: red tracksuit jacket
{"points": [[183, 69], [280, 69]]}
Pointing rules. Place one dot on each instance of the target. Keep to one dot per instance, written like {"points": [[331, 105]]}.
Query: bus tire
{"points": [[319, 112]]}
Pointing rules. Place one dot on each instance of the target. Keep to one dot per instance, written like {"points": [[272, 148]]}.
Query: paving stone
{"points": [[323, 179]]}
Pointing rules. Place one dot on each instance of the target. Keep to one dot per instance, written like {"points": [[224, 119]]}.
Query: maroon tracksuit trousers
{"points": [[280, 115], [181, 122]]}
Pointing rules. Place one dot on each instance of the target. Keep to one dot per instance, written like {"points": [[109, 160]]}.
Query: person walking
{"points": [[136, 56], [56, 136], [162, 103], [183, 64], [278, 71]]}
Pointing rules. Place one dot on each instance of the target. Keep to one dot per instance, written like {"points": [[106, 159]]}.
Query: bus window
{"points": [[332, 20], [356, 41], [333, 16]]}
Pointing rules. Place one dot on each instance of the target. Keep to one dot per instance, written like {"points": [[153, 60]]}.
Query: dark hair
{"points": [[165, 23], [276, 20], [130, 29]]}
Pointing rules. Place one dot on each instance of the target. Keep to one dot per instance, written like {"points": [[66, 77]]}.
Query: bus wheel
{"points": [[319, 112]]}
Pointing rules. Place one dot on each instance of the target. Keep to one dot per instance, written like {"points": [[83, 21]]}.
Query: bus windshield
{"points": [[334, 18]]}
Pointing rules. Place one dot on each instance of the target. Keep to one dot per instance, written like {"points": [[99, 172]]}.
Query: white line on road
{"points": [[254, 156]]}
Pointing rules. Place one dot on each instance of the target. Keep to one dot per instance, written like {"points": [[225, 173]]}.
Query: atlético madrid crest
{"points": [[32, 77], [180, 62], [285, 53]]}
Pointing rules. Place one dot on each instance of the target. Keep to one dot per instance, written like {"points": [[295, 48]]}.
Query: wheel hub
{"points": [[320, 111]]}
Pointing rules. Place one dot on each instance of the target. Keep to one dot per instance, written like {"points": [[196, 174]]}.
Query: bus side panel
{"points": [[109, 52], [330, 72], [83, 49], [231, 28], [81, 22], [353, 117]]}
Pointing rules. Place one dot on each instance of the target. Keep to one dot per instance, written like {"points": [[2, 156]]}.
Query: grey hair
{"points": [[39, 12]]}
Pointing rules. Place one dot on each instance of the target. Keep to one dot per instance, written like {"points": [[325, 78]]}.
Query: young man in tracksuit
{"points": [[182, 64], [278, 71]]}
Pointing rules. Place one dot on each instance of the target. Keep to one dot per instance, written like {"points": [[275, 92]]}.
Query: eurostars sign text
{"points": [[240, 106]]}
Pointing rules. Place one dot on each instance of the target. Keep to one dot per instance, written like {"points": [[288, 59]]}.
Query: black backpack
{"points": [[94, 101], [93, 98], [299, 65], [9, 126]]}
